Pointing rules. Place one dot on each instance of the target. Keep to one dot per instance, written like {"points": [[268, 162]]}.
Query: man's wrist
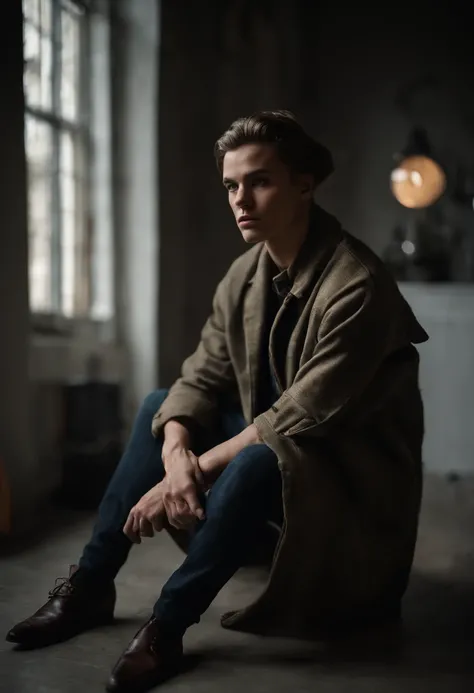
{"points": [[249, 436], [202, 477], [176, 435], [211, 464], [215, 460]]}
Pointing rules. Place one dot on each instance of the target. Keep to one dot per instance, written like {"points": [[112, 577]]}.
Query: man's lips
{"points": [[245, 218]]}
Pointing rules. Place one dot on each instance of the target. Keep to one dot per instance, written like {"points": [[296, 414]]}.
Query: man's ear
{"points": [[307, 186]]}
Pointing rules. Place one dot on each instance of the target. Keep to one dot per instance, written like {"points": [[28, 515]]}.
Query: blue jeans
{"points": [[247, 494]]}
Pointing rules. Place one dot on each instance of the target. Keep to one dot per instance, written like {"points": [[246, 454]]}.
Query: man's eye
{"points": [[231, 187], [260, 181]]}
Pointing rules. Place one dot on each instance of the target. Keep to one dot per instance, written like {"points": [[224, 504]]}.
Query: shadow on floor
{"points": [[435, 638]]}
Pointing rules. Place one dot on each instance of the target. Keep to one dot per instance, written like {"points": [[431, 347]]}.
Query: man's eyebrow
{"points": [[250, 174]]}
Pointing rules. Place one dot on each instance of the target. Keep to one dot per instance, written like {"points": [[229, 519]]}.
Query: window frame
{"points": [[55, 319]]}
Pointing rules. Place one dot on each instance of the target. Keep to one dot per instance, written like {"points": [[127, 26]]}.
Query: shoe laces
{"points": [[62, 587]]}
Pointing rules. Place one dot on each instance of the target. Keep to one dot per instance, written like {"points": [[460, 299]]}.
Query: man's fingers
{"points": [[186, 519], [129, 531], [157, 522], [194, 505], [128, 528], [175, 517], [178, 521], [181, 506], [170, 511], [158, 518], [146, 529], [136, 523]]}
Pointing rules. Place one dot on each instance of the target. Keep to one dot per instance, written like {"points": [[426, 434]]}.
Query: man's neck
{"points": [[284, 250]]}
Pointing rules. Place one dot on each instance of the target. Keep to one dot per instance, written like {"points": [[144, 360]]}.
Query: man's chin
{"points": [[252, 236]]}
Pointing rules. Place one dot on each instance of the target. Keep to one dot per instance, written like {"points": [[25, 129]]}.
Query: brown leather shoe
{"points": [[149, 660], [68, 611]]}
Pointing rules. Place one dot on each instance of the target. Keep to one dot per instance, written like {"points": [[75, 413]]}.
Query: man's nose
{"points": [[243, 199]]}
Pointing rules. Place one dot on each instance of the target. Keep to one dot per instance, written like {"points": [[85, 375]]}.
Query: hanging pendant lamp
{"points": [[418, 180]]}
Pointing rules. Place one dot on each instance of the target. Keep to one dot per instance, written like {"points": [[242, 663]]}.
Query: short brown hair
{"points": [[295, 147]]}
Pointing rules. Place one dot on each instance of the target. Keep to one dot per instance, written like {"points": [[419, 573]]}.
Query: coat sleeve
{"points": [[205, 375], [353, 340]]}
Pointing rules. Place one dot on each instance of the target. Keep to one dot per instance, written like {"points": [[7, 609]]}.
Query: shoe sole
{"points": [[56, 639], [148, 682]]}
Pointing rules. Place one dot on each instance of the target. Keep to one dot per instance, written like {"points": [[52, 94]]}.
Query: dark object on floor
{"points": [[92, 443]]}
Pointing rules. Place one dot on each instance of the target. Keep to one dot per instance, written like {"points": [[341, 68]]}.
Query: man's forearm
{"points": [[176, 435], [213, 462]]}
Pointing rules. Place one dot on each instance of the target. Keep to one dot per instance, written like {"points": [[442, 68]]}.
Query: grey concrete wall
{"points": [[135, 61], [340, 67], [16, 448]]}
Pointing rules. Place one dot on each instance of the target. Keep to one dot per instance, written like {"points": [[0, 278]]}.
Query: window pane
{"points": [[46, 73], [38, 13], [38, 64], [70, 236], [32, 71], [69, 65], [67, 161], [38, 144], [45, 16], [31, 11], [68, 251]]}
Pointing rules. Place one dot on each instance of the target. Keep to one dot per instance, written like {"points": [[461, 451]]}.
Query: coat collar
{"points": [[324, 235]]}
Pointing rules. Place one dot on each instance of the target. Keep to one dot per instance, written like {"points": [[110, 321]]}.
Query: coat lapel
{"points": [[254, 319], [323, 237]]}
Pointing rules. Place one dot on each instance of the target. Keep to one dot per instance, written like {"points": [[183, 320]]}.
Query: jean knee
{"points": [[253, 467], [249, 481], [154, 400], [258, 460], [149, 407]]}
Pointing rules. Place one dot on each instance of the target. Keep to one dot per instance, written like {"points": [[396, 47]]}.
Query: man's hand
{"points": [[184, 481], [148, 515]]}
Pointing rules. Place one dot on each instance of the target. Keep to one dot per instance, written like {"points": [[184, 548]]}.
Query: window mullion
{"points": [[56, 255], [54, 121], [83, 257]]}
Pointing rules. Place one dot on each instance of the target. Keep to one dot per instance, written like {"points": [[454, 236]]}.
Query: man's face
{"points": [[265, 198]]}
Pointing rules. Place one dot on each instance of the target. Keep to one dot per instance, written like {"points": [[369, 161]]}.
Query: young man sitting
{"points": [[300, 406]]}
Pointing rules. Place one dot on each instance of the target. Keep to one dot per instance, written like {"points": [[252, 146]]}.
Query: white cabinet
{"points": [[446, 311]]}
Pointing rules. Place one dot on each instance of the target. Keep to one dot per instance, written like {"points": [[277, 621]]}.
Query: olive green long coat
{"points": [[347, 428]]}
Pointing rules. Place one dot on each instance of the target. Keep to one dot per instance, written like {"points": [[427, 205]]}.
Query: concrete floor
{"points": [[433, 652]]}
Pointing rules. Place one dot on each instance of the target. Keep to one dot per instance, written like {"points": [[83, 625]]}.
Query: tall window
{"points": [[56, 140]]}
